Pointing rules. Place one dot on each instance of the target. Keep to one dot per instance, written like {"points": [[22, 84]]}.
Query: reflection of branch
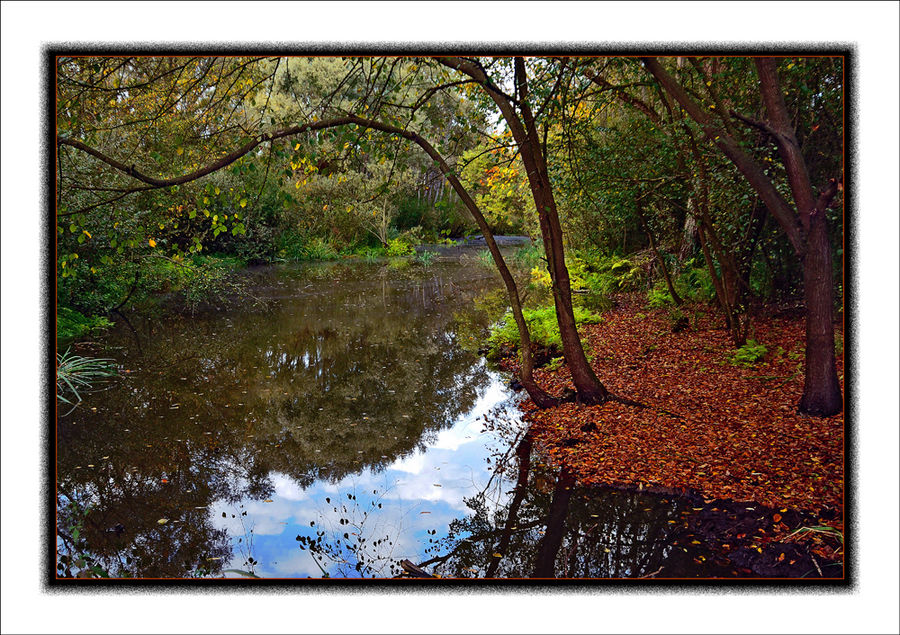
{"points": [[475, 538]]}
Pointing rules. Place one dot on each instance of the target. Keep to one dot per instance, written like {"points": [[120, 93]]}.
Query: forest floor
{"points": [[725, 432]]}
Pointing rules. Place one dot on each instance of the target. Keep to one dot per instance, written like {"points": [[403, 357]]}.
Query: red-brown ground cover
{"points": [[724, 430]]}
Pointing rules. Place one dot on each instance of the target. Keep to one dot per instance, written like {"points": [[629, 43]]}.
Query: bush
{"points": [[748, 354], [542, 326], [658, 296], [611, 274], [528, 256], [425, 258], [72, 324], [399, 247], [693, 284]]}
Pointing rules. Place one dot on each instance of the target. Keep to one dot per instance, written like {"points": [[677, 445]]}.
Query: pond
{"points": [[335, 422]]}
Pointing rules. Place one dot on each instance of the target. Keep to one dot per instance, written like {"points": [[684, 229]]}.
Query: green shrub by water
{"points": [[398, 247], [542, 326], [72, 324]]}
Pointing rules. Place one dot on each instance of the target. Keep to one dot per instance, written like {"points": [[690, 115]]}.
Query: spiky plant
{"points": [[76, 374]]}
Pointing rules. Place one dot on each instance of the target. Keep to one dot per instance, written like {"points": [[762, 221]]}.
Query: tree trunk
{"points": [[662, 263], [804, 224], [821, 388], [587, 385]]}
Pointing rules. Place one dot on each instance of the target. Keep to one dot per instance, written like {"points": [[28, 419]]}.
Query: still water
{"points": [[335, 422]]}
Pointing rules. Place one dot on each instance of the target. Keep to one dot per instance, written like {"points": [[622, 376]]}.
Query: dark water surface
{"points": [[334, 424]]}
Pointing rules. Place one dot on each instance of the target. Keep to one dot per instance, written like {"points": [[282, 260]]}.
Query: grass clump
{"points": [[76, 374]]}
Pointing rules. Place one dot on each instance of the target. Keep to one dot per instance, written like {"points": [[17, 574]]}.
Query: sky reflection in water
{"points": [[418, 493]]}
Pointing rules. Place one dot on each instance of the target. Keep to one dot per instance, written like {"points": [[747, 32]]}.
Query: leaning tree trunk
{"points": [[588, 387]]}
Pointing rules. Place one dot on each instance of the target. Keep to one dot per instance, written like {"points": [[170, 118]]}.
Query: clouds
{"points": [[402, 504]]}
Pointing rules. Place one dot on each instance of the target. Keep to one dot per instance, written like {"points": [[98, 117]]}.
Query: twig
{"points": [[650, 575]]}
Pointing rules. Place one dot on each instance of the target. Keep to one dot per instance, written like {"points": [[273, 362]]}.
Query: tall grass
{"points": [[76, 374]]}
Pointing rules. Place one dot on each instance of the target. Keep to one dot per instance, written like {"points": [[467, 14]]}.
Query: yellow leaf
{"points": [[243, 202], [217, 191], [86, 233], [152, 242], [498, 555], [179, 151], [297, 147], [162, 521], [268, 500]]}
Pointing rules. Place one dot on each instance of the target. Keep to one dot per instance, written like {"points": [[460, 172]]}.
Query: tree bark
{"points": [[821, 389]]}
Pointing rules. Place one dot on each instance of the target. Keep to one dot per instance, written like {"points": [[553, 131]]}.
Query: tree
{"points": [[254, 129], [804, 223], [518, 114]]}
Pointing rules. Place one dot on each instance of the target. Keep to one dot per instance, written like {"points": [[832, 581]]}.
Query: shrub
{"points": [[398, 247], [72, 324], [528, 256], [319, 249], [485, 258], [748, 354], [542, 326], [658, 296], [695, 283], [612, 274]]}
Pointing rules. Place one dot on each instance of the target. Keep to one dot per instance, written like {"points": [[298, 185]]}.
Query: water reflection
{"points": [[334, 425], [337, 372], [546, 526]]}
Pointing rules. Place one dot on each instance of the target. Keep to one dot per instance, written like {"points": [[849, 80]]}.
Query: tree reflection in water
{"points": [[548, 527], [345, 368]]}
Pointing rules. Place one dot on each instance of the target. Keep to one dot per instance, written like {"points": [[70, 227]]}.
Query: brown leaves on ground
{"points": [[727, 431]]}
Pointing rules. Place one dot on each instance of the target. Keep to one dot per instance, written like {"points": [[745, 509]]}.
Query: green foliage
{"points": [[76, 374], [485, 258], [528, 256], [748, 354], [319, 249], [542, 326], [426, 257], [398, 247], [693, 284], [658, 296], [556, 363], [72, 324]]}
